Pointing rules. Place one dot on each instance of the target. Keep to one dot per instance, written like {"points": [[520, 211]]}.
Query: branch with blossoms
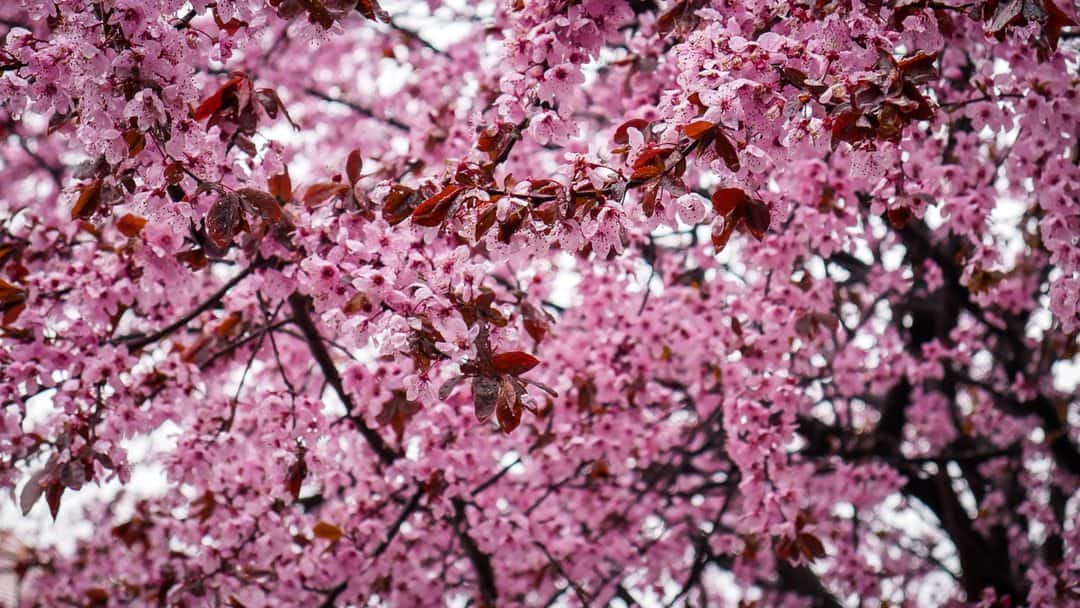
{"points": [[540, 302]]}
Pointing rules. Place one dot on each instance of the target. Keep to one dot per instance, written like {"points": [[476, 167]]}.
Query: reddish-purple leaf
{"points": [[786, 549], [918, 68], [899, 217], [397, 411], [263, 203], [434, 210], [485, 219], [698, 128], [10, 295], [88, 201], [811, 546], [756, 218], [354, 165], [294, 479], [320, 193], [721, 233], [508, 406], [213, 103], [52, 496], [399, 204], [726, 150], [485, 391], [448, 387], [514, 362], [130, 225], [280, 186], [223, 220], [726, 201], [327, 531], [370, 9], [622, 132], [31, 492]]}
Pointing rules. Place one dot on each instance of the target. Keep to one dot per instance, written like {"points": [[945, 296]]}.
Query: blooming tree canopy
{"points": [[543, 302]]}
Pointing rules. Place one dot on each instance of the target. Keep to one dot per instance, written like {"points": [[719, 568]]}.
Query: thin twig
{"points": [[136, 342]]}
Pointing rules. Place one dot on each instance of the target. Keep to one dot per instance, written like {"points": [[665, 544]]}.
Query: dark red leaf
{"points": [[320, 193], [52, 496], [130, 225], [73, 474], [511, 224], [174, 172], [399, 204], [918, 68], [223, 220], [1056, 19], [269, 97], [97, 596], [535, 320], [327, 531], [648, 171], [213, 103], [269, 101], [281, 186], [811, 546], [600, 469], [353, 166], [317, 13], [515, 362], [794, 76], [846, 127], [11, 314], [721, 233], [508, 406], [786, 549], [10, 295], [88, 201], [757, 218], [1004, 13], [194, 258], [485, 392], [984, 280], [263, 203], [246, 144], [448, 387], [371, 10], [31, 492], [622, 132], [485, 219], [434, 210], [231, 26], [397, 411], [648, 200], [899, 217], [435, 485], [203, 507], [726, 150], [728, 201], [698, 128], [294, 479], [136, 141]]}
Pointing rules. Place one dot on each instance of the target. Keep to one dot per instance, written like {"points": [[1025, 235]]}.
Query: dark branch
{"points": [[355, 107], [481, 562], [300, 304], [137, 341]]}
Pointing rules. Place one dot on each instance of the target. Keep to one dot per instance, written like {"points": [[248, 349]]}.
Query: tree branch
{"points": [[485, 574], [359, 109], [138, 341], [299, 304]]}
